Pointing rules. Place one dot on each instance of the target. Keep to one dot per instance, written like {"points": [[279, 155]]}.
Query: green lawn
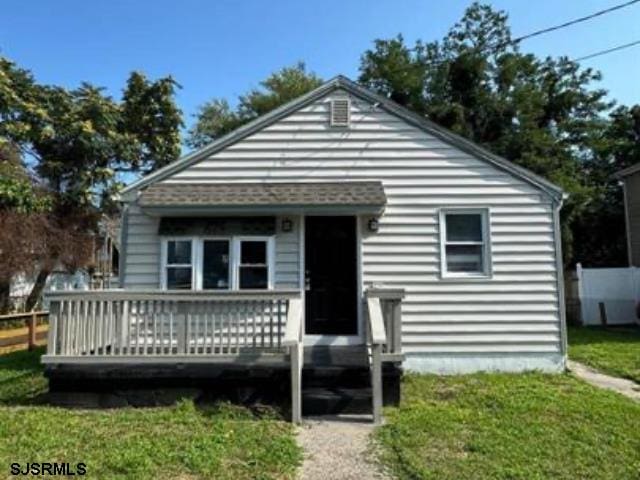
{"points": [[183, 442], [502, 426], [614, 350]]}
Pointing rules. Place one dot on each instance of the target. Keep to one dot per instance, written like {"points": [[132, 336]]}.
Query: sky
{"points": [[223, 48]]}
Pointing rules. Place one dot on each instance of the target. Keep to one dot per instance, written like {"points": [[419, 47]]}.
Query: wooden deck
{"points": [[123, 334]]}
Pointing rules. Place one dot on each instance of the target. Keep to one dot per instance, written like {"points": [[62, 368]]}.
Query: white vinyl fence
{"points": [[618, 289]]}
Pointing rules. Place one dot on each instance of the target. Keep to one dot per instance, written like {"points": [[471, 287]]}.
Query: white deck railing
{"points": [[126, 325]]}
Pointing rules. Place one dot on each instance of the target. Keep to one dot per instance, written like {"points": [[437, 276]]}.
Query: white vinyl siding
{"points": [[515, 311]]}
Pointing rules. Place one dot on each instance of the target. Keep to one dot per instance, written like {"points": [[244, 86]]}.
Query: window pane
{"points": [[179, 251], [252, 252], [254, 277], [215, 268], [464, 227], [465, 258], [179, 278]]}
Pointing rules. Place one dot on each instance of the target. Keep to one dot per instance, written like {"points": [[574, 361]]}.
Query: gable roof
{"points": [[342, 83]]}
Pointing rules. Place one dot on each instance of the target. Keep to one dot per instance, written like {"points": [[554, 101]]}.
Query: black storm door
{"points": [[331, 276]]}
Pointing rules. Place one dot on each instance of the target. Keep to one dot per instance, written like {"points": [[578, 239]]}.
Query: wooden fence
{"points": [[30, 319]]}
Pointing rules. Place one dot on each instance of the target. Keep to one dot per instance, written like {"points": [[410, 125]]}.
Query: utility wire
{"points": [[495, 47], [572, 22], [608, 50], [517, 40]]}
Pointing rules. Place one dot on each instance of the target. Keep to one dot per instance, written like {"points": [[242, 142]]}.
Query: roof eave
{"points": [[627, 171]]}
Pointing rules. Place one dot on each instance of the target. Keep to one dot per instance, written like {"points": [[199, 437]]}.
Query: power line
{"points": [[608, 50], [492, 48], [572, 22]]}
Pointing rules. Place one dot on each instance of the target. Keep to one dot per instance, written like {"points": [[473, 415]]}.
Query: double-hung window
{"points": [[216, 257], [178, 270], [229, 263], [253, 264], [464, 243]]}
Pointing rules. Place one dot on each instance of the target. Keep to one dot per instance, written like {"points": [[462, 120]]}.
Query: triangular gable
{"points": [[353, 88]]}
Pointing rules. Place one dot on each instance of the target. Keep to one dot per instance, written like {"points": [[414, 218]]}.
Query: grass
{"points": [[614, 351], [183, 441], [510, 426]]}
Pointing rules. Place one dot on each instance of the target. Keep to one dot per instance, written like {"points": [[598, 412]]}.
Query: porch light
{"points": [[287, 225], [373, 225]]}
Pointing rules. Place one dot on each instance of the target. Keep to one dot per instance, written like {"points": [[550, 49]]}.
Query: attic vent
{"points": [[340, 112]]}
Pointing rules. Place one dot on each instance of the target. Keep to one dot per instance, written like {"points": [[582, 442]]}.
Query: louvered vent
{"points": [[340, 110]]}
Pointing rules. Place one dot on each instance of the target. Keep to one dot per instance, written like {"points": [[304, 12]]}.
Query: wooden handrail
{"points": [[384, 337], [177, 295], [376, 322], [18, 316], [293, 328]]}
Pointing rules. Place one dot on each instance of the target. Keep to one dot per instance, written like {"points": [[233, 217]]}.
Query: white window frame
{"points": [[197, 259], [270, 259], [200, 282], [485, 218], [165, 258]]}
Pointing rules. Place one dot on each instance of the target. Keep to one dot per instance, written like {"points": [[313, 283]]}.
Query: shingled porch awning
{"points": [[177, 199]]}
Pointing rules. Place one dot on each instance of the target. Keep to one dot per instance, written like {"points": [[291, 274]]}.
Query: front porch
{"points": [[110, 336]]}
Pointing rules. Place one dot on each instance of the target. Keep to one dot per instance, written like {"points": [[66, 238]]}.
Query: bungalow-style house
{"points": [[339, 238], [630, 179]]}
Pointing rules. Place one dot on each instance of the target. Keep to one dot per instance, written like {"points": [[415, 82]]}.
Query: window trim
{"points": [[165, 257], [270, 258], [197, 259], [200, 282], [485, 218]]}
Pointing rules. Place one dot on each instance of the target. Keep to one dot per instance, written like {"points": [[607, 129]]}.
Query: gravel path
{"points": [[625, 387], [338, 448]]}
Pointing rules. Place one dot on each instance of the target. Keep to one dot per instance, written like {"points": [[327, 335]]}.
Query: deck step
{"points": [[336, 377], [330, 401]]}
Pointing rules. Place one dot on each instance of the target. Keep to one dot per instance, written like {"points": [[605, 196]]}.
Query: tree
{"points": [[216, 117], [539, 113], [602, 228], [79, 141]]}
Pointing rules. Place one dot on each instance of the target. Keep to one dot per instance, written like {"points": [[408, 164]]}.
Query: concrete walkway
{"points": [[338, 448], [626, 387]]}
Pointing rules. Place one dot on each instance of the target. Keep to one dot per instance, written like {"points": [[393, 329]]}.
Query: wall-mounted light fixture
{"points": [[286, 225], [373, 225]]}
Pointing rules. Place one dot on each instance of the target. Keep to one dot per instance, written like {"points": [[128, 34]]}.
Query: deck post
{"points": [[296, 382], [376, 382], [32, 330], [397, 326]]}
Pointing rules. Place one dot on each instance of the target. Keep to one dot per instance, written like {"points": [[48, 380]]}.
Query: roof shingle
{"points": [[263, 194]]}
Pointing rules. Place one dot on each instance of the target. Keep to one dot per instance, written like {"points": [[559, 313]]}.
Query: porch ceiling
{"points": [[215, 197]]}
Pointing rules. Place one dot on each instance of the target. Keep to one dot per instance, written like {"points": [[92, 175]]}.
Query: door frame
{"points": [[358, 338]]}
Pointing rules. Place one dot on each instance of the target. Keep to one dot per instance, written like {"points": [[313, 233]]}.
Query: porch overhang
{"points": [[204, 199]]}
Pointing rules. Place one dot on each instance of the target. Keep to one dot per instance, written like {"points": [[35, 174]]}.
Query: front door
{"points": [[331, 302]]}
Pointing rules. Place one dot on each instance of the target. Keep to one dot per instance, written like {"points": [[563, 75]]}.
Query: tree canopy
{"points": [[81, 139], [217, 118], [63, 154]]}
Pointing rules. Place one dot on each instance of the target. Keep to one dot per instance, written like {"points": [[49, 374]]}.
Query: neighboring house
{"points": [[340, 222], [102, 271], [630, 179]]}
